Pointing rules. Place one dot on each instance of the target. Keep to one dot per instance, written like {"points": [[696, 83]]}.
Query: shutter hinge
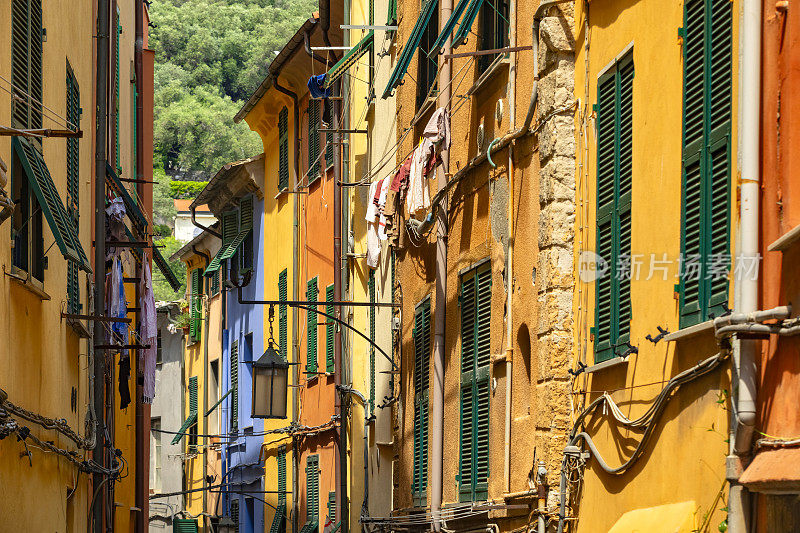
{"points": [[682, 32]]}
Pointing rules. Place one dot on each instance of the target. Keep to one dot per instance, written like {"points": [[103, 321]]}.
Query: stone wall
{"points": [[556, 141]]}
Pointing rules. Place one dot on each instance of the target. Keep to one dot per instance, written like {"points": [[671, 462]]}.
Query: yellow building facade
{"points": [[644, 157], [46, 359]]}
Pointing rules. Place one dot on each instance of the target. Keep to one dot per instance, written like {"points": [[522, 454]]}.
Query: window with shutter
{"points": [[117, 155], [311, 330], [193, 410], [234, 416], [332, 506], [73, 186], [329, 331], [371, 292], [422, 348], [614, 185], [705, 225], [244, 239], [475, 302], [283, 326], [329, 146], [235, 514], [279, 520], [313, 141], [26, 65], [283, 149], [312, 493], [196, 299]]}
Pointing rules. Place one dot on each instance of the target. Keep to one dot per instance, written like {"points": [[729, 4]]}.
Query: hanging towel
{"points": [[149, 333], [371, 216], [384, 188], [418, 197], [315, 87]]}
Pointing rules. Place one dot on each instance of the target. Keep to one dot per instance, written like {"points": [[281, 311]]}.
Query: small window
{"points": [[26, 224], [427, 67], [494, 30]]}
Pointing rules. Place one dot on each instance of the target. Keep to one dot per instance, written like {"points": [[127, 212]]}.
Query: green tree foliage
{"points": [[161, 289], [163, 207], [186, 189], [210, 56]]}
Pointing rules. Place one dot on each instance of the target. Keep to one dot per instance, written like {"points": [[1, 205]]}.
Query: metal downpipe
{"points": [[295, 290], [100, 157], [437, 437], [512, 116], [740, 519], [206, 326]]}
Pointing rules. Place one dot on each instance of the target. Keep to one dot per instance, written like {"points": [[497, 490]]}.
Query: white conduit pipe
{"points": [[749, 129]]}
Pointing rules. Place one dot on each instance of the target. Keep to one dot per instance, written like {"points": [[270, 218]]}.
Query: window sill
{"points": [[614, 361], [785, 241], [499, 64], [691, 331], [23, 279]]}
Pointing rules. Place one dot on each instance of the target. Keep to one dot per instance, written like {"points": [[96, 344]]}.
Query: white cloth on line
{"points": [[418, 197], [373, 241], [149, 332]]}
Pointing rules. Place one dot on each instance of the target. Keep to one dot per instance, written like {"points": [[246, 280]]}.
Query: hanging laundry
{"points": [[437, 130], [316, 88], [418, 196], [384, 188], [118, 304], [371, 216], [148, 330]]}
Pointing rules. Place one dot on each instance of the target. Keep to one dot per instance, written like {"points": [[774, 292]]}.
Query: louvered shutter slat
{"points": [[283, 327], [234, 416], [311, 326], [283, 149]]}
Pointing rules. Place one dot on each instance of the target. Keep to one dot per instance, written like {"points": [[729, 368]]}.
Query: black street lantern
{"points": [[270, 382], [226, 525]]}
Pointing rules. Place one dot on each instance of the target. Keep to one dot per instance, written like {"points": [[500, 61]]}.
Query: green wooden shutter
{"points": [[283, 326], [244, 239], [196, 302], [26, 64], [283, 149], [613, 311], [193, 394], [475, 299], [332, 506], [312, 489], [235, 514], [234, 386], [73, 186], [279, 520], [311, 327], [329, 331], [184, 525], [422, 348], [705, 227], [282, 475], [117, 156], [391, 18], [329, 146], [371, 291], [313, 140]]}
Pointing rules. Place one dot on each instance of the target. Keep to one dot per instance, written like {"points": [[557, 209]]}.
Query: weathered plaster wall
{"points": [[669, 471]]}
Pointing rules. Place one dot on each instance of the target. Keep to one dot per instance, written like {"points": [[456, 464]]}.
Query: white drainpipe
{"points": [[748, 251]]}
